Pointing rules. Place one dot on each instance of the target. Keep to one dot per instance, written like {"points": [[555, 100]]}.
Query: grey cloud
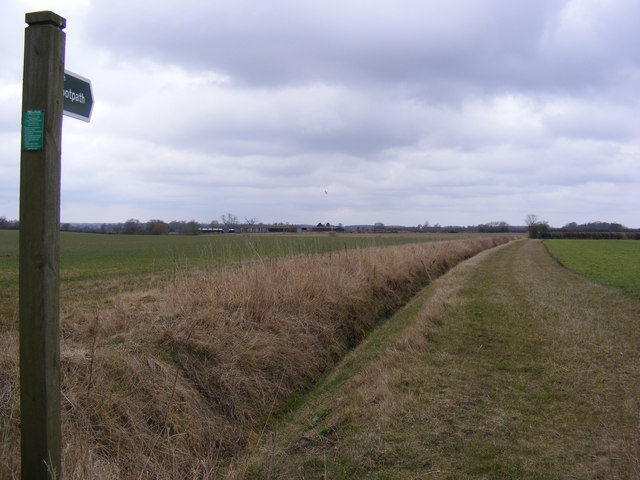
{"points": [[454, 112], [594, 120], [285, 42], [429, 47]]}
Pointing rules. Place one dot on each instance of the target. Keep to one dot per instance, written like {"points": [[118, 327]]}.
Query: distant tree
{"points": [[537, 228], [594, 227], [617, 227], [157, 227], [175, 226], [132, 227], [494, 227], [9, 224], [229, 220], [214, 224], [530, 219], [250, 224], [190, 228]]}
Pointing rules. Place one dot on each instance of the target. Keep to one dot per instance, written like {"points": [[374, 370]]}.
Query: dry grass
{"points": [[507, 367], [170, 382]]}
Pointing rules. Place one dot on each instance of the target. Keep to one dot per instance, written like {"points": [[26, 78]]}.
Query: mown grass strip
{"points": [[515, 369]]}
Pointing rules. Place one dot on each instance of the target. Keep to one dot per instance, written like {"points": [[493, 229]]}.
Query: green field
{"points": [[85, 256], [93, 256], [615, 263]]}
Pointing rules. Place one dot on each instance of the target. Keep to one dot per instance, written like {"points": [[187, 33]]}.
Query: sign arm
{"points": [[78, 96]]}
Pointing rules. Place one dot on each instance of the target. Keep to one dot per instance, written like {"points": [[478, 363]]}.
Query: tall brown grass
{"points": [[170, 382]]}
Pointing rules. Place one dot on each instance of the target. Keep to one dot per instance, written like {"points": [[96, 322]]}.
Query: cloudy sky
{"points": [[455, 112]]}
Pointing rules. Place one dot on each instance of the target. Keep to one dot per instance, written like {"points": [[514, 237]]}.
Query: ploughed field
{"points": [[178, 352]]}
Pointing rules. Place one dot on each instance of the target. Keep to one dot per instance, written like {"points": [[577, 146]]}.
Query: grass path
{"points": [[513, 369]]}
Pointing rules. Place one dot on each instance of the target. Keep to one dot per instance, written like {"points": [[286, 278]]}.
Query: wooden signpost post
{"points": [[42, 109]]}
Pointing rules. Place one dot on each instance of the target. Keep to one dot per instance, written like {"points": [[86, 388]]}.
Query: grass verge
{"points": [[172, 381], [513, 369], [93, 258]]}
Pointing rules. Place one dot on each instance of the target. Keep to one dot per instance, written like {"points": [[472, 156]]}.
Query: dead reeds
{"points": [[171, 382]]}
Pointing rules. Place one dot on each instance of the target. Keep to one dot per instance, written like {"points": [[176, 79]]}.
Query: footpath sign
{"points": [[78, 97], [44, 80]]}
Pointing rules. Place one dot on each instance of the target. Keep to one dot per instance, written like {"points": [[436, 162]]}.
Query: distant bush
{"points": [[538, 230]]}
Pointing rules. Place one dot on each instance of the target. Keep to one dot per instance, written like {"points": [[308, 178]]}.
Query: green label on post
{"points": [[32, 129]]}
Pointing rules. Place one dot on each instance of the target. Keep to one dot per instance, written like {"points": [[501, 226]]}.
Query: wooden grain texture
{"points": [[39, 251]]}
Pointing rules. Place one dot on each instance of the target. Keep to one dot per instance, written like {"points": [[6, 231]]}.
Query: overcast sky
{"points": [[455, 112]]}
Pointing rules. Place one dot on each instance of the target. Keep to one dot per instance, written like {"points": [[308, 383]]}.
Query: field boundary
{"points": [[512, 368], [169, 381]]}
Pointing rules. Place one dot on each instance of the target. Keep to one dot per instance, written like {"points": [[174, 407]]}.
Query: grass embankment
{"points": [[507, 367], [88, 257], [611, 262], [171, 382]]}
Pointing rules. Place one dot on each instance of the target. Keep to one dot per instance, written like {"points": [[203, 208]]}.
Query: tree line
{"points": [[9, 224], [133, 226], [228, 222], [592, 230]]}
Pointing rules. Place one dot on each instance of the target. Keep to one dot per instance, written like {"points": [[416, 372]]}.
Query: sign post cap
{"points": [[45, 17]]}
